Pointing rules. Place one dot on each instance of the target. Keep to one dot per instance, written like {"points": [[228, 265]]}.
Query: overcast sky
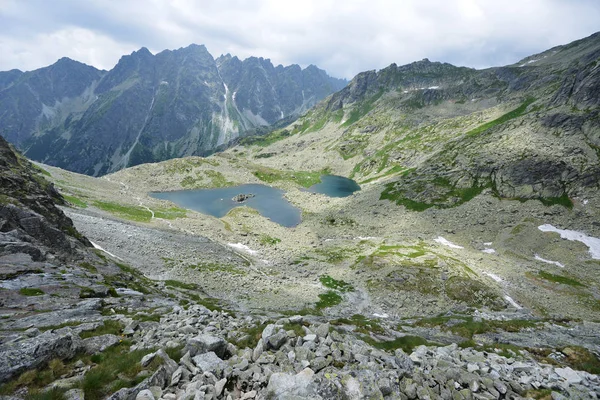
{"points": [[343, 37]]}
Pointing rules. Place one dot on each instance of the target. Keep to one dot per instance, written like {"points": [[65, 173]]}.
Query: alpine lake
{"points": [[267, 200]]}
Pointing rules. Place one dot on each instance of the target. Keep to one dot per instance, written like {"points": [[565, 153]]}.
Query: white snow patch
{"points": [[512, 302], [591, 242], [489, 251], [129, 292], [365, 238], [164, 83], [585, 202], [384, 315], [433, 87], [446, 242], [549, 262], [243, 247], [405, 91], [488, 244], [107, 252], [494, 276]]}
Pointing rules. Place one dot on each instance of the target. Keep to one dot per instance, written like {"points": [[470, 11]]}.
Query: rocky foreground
{"points": [[290, 358]]}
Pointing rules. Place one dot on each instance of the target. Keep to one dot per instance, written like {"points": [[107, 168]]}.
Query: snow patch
{"points": [[446, 242], [512, 302], [243, 247], [384, 315], [549, 262], [591, 242], [433, 87], [365, 238], [129, 292], [107, 252], [488, 244], [489, 251], [494, 277]]}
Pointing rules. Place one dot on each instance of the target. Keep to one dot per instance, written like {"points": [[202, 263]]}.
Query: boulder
{"points": [[206, 343], [35, 352], [100, 343], [287, 386], [209, 362]]}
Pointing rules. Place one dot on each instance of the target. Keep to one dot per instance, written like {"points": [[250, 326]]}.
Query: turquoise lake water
{"points": [[268, 201]]}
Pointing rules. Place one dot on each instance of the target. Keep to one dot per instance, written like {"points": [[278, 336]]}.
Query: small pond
{"points": [[335, 186], [268, 201]]}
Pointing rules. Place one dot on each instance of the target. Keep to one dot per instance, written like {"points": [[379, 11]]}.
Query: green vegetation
{"points": [[86, 265], [363, 324], [170, 213], [115, 368], [335, 255], [31, 292], [362, 109], [252, 335], [563, 200], [41, 170], [559, 279], [75, 201], [406, 343], [108, 327], [267, 240], [264, 141], [444, 194], [328, 299], [181, 285], [331, 283], [36, 379], [133, 213], [302, 178], [517, 112], [467, 326]]}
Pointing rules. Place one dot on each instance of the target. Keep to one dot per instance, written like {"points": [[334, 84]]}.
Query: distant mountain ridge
{"points": [[149, 107]]}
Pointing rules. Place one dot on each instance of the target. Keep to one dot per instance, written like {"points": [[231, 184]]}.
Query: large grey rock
{"points": [[100, 343], [287, 387], [205, 343], [209, 362], [30, 353]]}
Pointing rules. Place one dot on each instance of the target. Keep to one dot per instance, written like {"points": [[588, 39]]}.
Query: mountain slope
{"points": [[443, 134], [149, 107]]}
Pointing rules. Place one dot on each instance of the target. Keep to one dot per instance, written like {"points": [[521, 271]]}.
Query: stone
{"points": [[258, 350], [209, 362], [206, 343], [219, 386], [569, 375], [301, 385], [323, 330], [176, 377], [100, 343], [74, 394], [145, 394], [34, 352], [277, 340]]}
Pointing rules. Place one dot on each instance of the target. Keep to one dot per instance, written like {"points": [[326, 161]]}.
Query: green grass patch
{"points": [[517, 112], [362, 109], [406, 343], [467, 326], [75, 201], [328, 299], [86, 265], [41, 170], [339, 285], [181, 285], [115, 368], [108, 327], [563, 200], [267, 240], [302, 178], [170, 213], [133, 213], [252, 335], [559, 279], [363, 324], [31, 292]]}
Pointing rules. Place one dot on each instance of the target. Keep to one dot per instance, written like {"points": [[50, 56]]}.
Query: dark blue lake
{"points": [[268, 201], [335, 186]]}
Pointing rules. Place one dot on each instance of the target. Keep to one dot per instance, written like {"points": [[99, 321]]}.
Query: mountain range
{"points": [[149, 107]]}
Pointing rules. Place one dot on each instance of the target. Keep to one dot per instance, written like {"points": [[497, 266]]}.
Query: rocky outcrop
{"points": [[242, 197]]}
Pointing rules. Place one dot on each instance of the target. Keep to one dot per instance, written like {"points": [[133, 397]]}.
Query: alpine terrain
{"points": [[467, 266], [149, 107]]}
